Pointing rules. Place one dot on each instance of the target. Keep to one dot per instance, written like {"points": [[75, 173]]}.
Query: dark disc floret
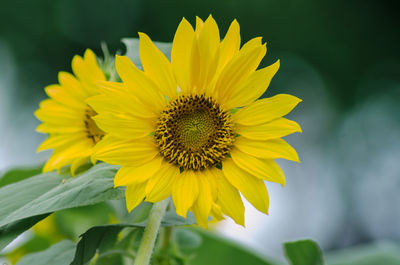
{"points": [[93, 132]]}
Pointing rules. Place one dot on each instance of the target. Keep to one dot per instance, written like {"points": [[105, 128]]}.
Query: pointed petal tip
{"points": [[88, 53], [120, 58], [181, 213], [210, 19], [241, 222], [76, 60], [40, 149], [116, 183], [143, 36]]}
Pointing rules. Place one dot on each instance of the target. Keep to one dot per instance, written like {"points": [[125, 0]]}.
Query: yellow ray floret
{"points": [[67, 118], [193, 128]]}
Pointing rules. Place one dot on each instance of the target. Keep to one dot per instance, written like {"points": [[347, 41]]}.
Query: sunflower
{"points": [[67, 118], [193, 127]]}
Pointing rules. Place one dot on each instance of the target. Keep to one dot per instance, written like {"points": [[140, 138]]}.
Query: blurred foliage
{"points": [[376, 253], [58, 254], [303, 252], [343, 39], [218, 250], [105, 243]]}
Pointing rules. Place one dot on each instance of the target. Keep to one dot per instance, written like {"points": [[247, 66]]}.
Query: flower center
{"points": [[92, 131], [194, 132]]}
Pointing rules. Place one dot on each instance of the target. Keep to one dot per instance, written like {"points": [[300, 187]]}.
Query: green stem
{"points": [[150, 232], [166, 237]]}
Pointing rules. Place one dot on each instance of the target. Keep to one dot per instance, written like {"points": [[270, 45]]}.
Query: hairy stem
{"points": [[150, 232]]}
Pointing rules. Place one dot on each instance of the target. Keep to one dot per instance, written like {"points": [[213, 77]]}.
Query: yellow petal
{"points": [[77, 163], [134, 195], [142, 87], [271, 149], [69, 82], [216, 213], [157, 66], [252, 87], [87, 71], [180, 54], [251, 44], [202, 207], [230, 44], [129, 175], [209, 175], [266, 109], [185, 191], [261, 168], [229, 198], [159, 186], [204, 55], [124, 126], [51, 111], [66, 155], [252, 188], [275, 129], [61, 128], [124, 152], [120, 102], [199, 24], [92, 66], [56, 162], [65, 97], [236, 70], [56, 141], [120, 98]]}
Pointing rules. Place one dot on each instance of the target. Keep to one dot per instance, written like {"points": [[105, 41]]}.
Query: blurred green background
{"points": [[340, 57]]}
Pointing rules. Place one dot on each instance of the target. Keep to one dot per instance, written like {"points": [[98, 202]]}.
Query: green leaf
{"points": [[132, 49], [216, 250], [46, 193], [19, 174], [61, 253], [123, 251], [49, 192], [11, 231], [98, 238], [103, 238], [303, 252]]}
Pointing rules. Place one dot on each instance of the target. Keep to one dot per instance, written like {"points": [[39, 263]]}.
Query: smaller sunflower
{"points": [[67, 118]]}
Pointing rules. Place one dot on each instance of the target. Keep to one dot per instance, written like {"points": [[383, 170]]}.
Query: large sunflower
{"points": [[67, 118], [192, 127]]}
